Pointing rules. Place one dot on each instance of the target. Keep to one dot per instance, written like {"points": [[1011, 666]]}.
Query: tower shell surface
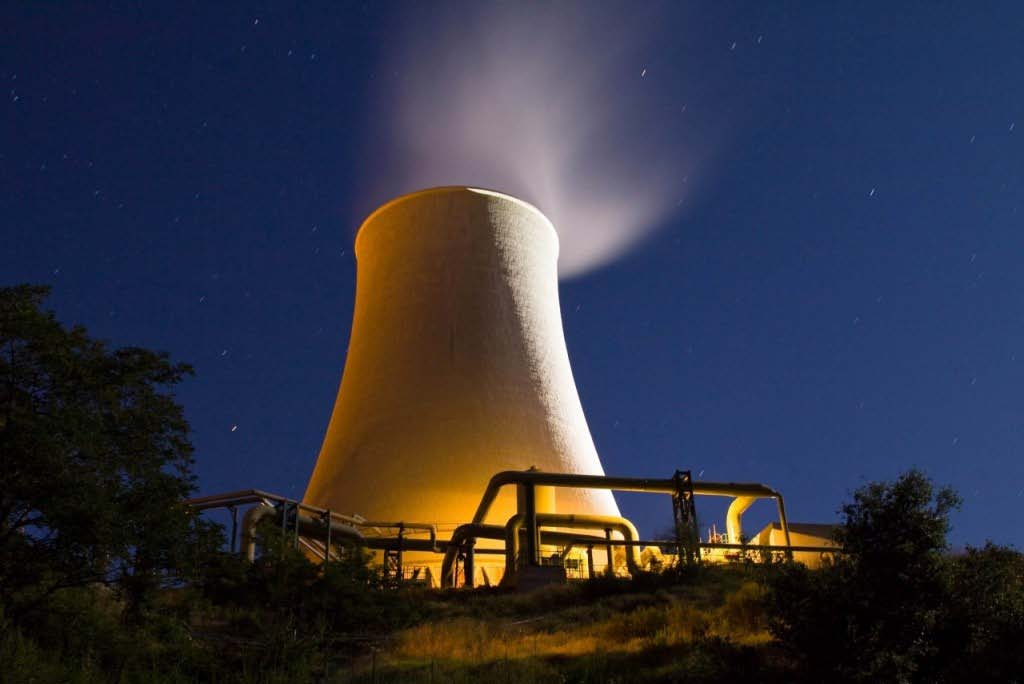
{"points": [[457, 366]]}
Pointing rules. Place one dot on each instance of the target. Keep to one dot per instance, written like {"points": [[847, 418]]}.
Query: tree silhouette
{"points": [[95, 461], [875, 613]]}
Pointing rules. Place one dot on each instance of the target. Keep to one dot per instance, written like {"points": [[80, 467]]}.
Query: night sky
{"points": [[835, 297]]}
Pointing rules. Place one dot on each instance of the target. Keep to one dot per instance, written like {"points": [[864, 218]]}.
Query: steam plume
{"points": [[571, 107]]}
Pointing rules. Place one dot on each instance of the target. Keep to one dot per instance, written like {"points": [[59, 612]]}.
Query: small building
{"points": [[800, 534]]}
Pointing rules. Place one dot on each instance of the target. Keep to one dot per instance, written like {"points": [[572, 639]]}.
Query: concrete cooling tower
{"points": [[457, 366]]}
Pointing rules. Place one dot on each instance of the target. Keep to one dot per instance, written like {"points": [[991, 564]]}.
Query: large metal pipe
{"points": [[621, 484], [464, 534], [739, 506], [468, 531], [431, 530], [624, 484], [601, 522], [250, 520], [733, 517]]}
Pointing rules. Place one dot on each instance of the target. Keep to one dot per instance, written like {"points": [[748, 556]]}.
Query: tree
{"points": [[875, 614], [984, 622], [95, 462]]}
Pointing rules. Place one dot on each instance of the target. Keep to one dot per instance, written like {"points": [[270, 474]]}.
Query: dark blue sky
{"points": [[842, 299]]}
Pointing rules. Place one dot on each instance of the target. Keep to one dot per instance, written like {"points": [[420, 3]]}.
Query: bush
{"points": [[874, 614], [984, 620], [896, 607]]}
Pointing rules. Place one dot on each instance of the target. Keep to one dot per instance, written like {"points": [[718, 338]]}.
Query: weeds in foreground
{"points": [[583, 633]]}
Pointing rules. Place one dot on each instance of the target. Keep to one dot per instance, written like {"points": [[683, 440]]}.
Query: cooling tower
{"points": [[456, 367]]}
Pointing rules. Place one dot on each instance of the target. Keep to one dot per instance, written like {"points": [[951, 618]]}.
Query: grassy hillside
{"points": [[282, 620], [709, 626]]}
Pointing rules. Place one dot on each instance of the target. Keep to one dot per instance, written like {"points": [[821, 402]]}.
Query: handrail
{"points": [[257, 513], [769, 547], [258, 496]]}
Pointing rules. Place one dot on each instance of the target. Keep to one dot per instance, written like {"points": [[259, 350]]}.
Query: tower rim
{"points": [[450, 189]]}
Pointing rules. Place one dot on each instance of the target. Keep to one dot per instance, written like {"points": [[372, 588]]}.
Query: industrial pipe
{"points": [[431, 530], [624, 484], [733, 516], [621, 484], [621, 525], [469, 532], [250, 520]]}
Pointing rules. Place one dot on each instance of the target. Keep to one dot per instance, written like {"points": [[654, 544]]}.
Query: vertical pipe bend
{"points": [[621, 525], [734, 517], [250, 520]]}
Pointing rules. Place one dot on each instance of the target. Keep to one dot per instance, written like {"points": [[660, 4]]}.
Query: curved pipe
{"points": [[621, 525], [460, 536], [733, 517], [250, 520], [739, 506], [470, 531]]}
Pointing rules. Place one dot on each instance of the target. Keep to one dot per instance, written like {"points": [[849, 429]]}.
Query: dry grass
{"points": [[705, 628], [621, 624]]}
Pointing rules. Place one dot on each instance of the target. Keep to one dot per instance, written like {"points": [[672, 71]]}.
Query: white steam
{"points": [[580, 109]]}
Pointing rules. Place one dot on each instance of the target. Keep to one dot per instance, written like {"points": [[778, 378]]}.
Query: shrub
{"points": [[983, 625], [873, 615]]}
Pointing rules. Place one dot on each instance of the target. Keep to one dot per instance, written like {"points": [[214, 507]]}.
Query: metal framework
{"points": [[684, 518], [320, 530]]}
